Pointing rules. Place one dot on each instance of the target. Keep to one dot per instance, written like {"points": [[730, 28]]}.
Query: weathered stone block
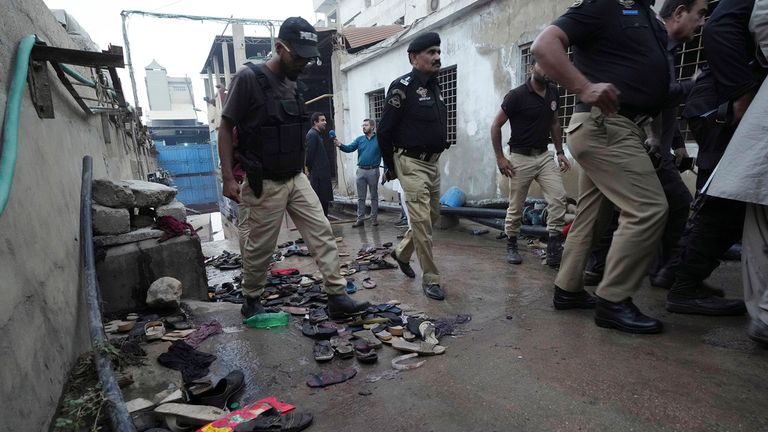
{"points": [[108, 220], [149, 194], [174, 208], [164, 293], [142, 221], [112, 193], [128, 270], [131, 237]]}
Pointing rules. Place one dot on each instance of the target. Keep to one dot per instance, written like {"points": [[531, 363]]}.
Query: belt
{"points": [[636, 117], [528, 151], [423, 156], [368, 166]]}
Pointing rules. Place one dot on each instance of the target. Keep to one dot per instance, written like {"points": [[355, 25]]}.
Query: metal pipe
{"points": [[118, 413], [324, 96], [473, 212], [129, 62]]}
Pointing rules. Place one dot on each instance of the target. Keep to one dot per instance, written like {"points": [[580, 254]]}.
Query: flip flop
{"points": [[365, 353], [369, 337], [315, 331], [399, 362], [322, 351], [343, 346], [293, 310], [427, 331], [195, 415], [369, 283], [422, 348], [273, 420], [327, 378]]}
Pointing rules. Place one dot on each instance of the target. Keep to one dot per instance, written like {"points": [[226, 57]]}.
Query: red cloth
{"points": [[285, 271], [228, 423], [173, 227]]}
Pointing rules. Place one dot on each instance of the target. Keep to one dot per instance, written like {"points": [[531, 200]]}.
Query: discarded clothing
{"points": [[209, 329], [447, 326], [174, 228], [325, 379], [192, 364]]}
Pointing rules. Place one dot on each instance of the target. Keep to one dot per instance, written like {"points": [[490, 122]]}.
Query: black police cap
{"points": [[424, 41], [301, 35]]}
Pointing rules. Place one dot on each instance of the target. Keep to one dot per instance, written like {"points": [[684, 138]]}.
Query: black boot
{"points": [[405, 266], [554, 250], [664, 278], [513, 256], [572, 300], [692, 297], [625, 316], [251, 307], [592, 278], [342, 306]]}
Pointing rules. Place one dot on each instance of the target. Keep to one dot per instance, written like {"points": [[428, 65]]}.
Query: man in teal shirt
{"points": [[368, 161]]}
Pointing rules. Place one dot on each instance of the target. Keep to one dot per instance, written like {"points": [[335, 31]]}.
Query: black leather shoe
{"points": [[434, 291], [405, 267], [625, 316], [572, 300], [592, 278], [706, 305], [554, 250], [342, 306], [758, 332], [662, 279], [251, 307], [219, 395]]}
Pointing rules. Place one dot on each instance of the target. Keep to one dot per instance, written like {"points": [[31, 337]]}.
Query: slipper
{"points": [[132, 317], [125, 326], [422, 348], [315, 331], [176, 335], [154, 330], [318, 315], [369, 337], [191, 414], [306, 282], [351, 287], [219, 395], [327, 378], [381, 332], [348, 272], [322, 351], [427, 332], [369, 283], [293, 310], [343, 346], [273, 420], [408, 336], [398, 363], [395, 330], [365, 353]]}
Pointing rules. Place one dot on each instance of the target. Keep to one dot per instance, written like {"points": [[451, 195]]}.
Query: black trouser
{"points": [[679, 200]]}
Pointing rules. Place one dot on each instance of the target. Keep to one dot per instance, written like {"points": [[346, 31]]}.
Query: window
{"points": [[375, 104], [447, 80], [567, 99]]}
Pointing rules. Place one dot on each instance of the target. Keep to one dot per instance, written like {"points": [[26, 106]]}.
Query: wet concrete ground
{"points": [[518, 365]]}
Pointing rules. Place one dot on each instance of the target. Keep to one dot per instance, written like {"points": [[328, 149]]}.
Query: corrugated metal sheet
{"points": [[197, 190], [361, 36], [186, 159]]}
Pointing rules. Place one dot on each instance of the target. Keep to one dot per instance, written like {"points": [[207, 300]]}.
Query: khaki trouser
{"points": [[615, 170], [545, 171], [259, 224], [420, 181], [754, 261]]}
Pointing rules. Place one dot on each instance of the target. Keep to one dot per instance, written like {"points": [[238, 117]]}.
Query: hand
{"points": [[336, 142], [505, 167], [562, 161], [602, 95], [652, 144], [231, 190], [680, 154], [740, 106], [388, 175]]}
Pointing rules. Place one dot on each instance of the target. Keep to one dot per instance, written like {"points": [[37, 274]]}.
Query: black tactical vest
{"points": [[276, 147]]}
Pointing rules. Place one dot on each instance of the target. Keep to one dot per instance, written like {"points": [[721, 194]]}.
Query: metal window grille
{"points": [[567, 99], [447, 80], [375, 104]]}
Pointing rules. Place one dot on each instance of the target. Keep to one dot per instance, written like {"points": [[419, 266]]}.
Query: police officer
{"points": [[267, 110], [413, 132], [621, 78], [532, 113]]}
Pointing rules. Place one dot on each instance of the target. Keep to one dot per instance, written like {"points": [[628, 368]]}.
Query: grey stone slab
{"points": [[149, 194], [131, 237], [111, 193], [128, 270], [174, 208], [108, 220], [164, 292]]}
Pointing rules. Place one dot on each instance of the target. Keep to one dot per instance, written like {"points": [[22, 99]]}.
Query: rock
{"points": [[131, 237], [112, 193], [108, 220], [149, 194], [164, 293], [174, 208]]}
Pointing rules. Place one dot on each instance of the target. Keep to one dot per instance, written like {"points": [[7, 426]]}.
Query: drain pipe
{"points": [[118, 413], [10, 144]]}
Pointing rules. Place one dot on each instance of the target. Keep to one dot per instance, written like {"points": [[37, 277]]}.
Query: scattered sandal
{"points": [[327, 378], [422, 348], [369, 283], [343, 346], [365, 352], [323, 351], [369, 337], [273, 420]]}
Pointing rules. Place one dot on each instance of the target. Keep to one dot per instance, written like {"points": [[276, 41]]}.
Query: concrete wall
{"points": [[42, 314], [488, 65]]}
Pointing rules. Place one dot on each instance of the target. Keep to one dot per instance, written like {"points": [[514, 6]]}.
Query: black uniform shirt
{"points": [[414, 117], [530, 115], [620, 42]]}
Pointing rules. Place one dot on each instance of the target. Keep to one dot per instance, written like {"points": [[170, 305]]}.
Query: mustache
{"points": [[436, 63]]}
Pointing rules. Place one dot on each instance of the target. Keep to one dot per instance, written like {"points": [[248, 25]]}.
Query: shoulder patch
{"points": [[398, 92], [406, 80], [627, 4]]}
